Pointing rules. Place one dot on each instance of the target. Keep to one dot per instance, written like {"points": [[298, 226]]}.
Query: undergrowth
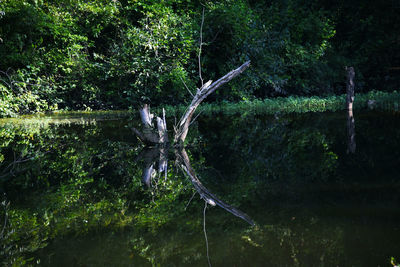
{"points": [[376, 99]]}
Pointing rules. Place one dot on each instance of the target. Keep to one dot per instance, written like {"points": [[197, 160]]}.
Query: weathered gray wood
{"points": [[163, 161], [146, 116], [162, 129], [350, 87], [202, 93], [148, 174], [149, 135]]}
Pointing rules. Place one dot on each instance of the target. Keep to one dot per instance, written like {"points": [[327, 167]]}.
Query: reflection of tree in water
{"points": [[272, 148], [183, 161], [158, 155], [351, 132], [91, 188]]}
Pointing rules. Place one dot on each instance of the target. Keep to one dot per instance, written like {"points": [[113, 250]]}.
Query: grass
{"points": [[383, 101], [292, 104], [65, 117]]}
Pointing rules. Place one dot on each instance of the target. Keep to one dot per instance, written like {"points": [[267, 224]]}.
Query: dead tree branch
{"points": [[150, 135], [201, 94], [200, 47]]}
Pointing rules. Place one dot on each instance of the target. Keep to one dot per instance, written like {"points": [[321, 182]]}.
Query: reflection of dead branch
{"points": [[149, 172], [205, 232], [13, 168], [204, 193]]}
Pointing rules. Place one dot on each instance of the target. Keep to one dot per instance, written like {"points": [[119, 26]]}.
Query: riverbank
{"points": [[371, 100]]}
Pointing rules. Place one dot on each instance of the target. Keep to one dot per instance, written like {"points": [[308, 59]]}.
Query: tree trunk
{"points": [[350, 87], [149, 156]]}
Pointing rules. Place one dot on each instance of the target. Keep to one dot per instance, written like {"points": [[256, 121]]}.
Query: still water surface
{"points": [[283, 190]]}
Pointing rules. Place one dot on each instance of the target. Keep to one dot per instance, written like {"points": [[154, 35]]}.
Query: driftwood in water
{"points": [[350, 87], [208, 88], [204, 193], [149, 134]]}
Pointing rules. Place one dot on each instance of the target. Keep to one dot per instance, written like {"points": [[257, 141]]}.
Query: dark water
{"points": [[288, 190]]}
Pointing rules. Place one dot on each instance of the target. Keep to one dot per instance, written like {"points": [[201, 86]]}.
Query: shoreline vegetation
{"points": [[375, 100], [120, 55], [295, 104]]}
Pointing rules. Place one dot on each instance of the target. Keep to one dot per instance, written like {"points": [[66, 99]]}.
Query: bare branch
{"points": [[200, 46], [186, 87], [201, 94], [195, 118], [205, 233]]}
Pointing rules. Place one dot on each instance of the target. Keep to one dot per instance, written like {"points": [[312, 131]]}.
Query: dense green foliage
{"points": [[116, 54]]}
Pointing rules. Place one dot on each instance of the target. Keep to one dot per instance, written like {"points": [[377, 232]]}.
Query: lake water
{"points": [[316, 189]]}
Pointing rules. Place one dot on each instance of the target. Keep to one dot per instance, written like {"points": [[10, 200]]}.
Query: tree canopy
{"points": [[116, 54]]}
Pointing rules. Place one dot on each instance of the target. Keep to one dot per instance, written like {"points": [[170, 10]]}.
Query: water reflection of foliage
{"points": [[57, 180], [83, 181], [270, 149]]}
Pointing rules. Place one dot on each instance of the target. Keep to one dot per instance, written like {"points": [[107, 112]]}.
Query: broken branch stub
{"points": [[202, 93], [149, 134]]}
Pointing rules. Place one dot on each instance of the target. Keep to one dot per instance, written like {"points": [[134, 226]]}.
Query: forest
{"points": [[275, 170], [118, 55]]}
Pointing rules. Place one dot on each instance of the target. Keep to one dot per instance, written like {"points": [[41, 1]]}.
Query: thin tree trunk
{"points": [[350, 87], [351, 133]]}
